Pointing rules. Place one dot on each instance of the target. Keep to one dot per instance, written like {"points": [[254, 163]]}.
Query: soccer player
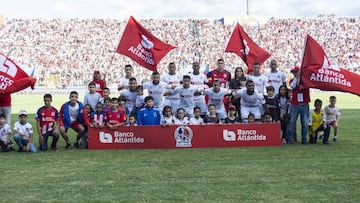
{"points": [[186, 93], [156, 89], [130, 94], [216, 96], [275, 77], [258, 79], [173, 80], [124, 81], [199, 81], [47, 124], [250, 101]]}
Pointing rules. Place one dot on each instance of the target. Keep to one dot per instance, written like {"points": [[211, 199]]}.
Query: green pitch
{"points": [[290, 173]]}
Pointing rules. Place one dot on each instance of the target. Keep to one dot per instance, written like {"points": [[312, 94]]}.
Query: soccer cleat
{"points": [[334, 139], [55, 149], [68, 145], [20, 149], [321, 137]]}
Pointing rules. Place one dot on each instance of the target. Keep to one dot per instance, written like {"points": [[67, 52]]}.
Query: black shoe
{"points": [[20, 149], [76, 145], [68, 145]]}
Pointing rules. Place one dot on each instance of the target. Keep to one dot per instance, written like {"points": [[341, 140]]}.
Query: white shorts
{"points": [[245, 111]]}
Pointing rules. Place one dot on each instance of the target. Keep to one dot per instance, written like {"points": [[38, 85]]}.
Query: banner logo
{"points": [[242, 135], [183, 136], [105, 137]]}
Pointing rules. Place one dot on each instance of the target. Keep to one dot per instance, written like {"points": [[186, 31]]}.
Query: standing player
{"points": [[221, 75], [258, 79], [216, 96], [173, 80], [156, 89], [275, 78], [47, 119], [124, 81], [199, 81], [186, 93], [130, 94]]}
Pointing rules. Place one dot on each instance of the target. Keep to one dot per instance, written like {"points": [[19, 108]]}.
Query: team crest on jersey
{"points": [[183, 136], [52, 113], [225, 75], [154, 114]]}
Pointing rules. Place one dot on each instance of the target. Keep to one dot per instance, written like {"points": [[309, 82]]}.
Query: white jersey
{"points": [[216, 98], [184, 121], [172, 80], [186, 97], [259, 82], [168, 120], [140, 101], [157, 92], [275, 79], [5, 131], [124, 81], [199, 81], [23, 128], [196, 121], [331, 113], [249, 100], [74, 112], [130, 98]]}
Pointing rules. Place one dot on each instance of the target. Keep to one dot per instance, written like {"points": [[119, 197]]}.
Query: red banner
{"points": [[12, 77], [189, 136], [316, 71], [141, 46], [242, 45]]}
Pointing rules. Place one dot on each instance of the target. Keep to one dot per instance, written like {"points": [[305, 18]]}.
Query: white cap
{"points": [[23, 112]]}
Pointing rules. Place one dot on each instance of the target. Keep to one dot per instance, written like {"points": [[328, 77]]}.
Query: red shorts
{"points": [[332, 123], [74, 125]]}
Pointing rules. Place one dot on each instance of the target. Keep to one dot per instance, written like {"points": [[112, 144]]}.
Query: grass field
{"points": [[290, 173]]}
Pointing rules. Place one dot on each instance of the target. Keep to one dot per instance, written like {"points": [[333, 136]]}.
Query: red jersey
{"points": [[47, 118], [99, 85], [223, 77], [300, 96], [97, 118], [5, 99], [115, 117]]}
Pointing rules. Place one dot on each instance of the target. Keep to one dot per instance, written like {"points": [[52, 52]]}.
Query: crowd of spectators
{"points": [[68, 51]]}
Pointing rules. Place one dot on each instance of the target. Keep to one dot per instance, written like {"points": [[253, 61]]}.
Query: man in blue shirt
{"points": [[148, 115]]}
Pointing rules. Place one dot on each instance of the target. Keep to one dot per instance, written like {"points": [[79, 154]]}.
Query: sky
{"points": [[145, 9]]}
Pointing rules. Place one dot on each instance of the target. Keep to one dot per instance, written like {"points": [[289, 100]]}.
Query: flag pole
{"points": [[108, 68]]}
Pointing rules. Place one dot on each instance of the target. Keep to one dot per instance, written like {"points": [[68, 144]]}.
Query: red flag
{"points": [[318, 73], [141, 46], [12, 77], [242, 45]]}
